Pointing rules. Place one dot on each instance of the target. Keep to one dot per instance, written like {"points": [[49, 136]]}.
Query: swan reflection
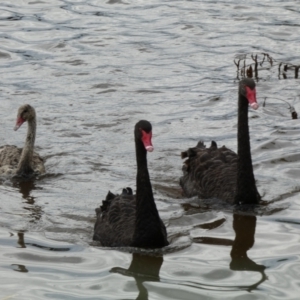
{"points": [[21, 241], [25, 188], [142, 268], [19, 268], [244, 227]]}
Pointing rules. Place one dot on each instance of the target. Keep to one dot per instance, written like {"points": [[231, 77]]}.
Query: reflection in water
{"points": [[23, 244], [25, 188], [19, 268], [142, 268], [21, 241], [244, 227]]}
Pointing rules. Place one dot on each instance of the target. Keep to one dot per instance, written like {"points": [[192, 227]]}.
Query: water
{"points": [[92, 70]]}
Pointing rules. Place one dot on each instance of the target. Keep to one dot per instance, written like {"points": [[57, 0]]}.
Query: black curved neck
{"points": [[25, 163], [143, 184], [147, 232], [246, 191]]}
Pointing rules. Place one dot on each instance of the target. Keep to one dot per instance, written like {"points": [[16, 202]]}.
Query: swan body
{"points": [[218, 172], [133, 220], [23, 162]]}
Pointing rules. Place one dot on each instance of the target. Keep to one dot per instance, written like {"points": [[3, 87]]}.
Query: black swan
{"points": [[219, 172], [133, 220], [22, 162]]}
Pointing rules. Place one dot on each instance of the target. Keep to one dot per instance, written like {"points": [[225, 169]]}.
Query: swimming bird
{"points": [[25, 162], [219, 172], [133, 220]]}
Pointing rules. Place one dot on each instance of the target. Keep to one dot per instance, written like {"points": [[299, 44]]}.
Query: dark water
{"points": [[92, 69]]}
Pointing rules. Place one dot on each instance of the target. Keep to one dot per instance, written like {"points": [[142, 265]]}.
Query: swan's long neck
{"points": [[25, 163], [147, 231], [246, 191]]}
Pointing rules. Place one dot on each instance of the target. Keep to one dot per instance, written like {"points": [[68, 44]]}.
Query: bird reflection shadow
{"points": [[19, 268], [142, 268], [21, 241], [244, 227], [21, 244], [25, 188]]}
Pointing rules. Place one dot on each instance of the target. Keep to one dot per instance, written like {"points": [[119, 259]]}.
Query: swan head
{"points": [[25, 113], [247, 89], [143, 132]]}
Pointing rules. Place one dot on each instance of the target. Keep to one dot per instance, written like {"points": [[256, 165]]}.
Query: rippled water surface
{"points": [[92, 69]]}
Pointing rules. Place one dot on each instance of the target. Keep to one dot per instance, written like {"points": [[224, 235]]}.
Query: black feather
{"points": [[132, 220], [219, 172]]}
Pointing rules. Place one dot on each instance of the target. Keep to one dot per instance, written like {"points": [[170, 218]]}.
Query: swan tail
{"points": [[191, 152], [213, 145], [106, 203]]}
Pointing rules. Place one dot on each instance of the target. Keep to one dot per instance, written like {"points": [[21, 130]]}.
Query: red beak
{"points": [[146, 139], [251, 96], [19, 122]]}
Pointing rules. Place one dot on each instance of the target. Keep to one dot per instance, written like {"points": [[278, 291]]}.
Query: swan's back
{"points": [[10, 156], [116, 219], [209, 172]]}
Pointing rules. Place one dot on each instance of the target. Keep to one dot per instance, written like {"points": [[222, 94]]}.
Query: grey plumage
{"points": [[23, 162]]}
